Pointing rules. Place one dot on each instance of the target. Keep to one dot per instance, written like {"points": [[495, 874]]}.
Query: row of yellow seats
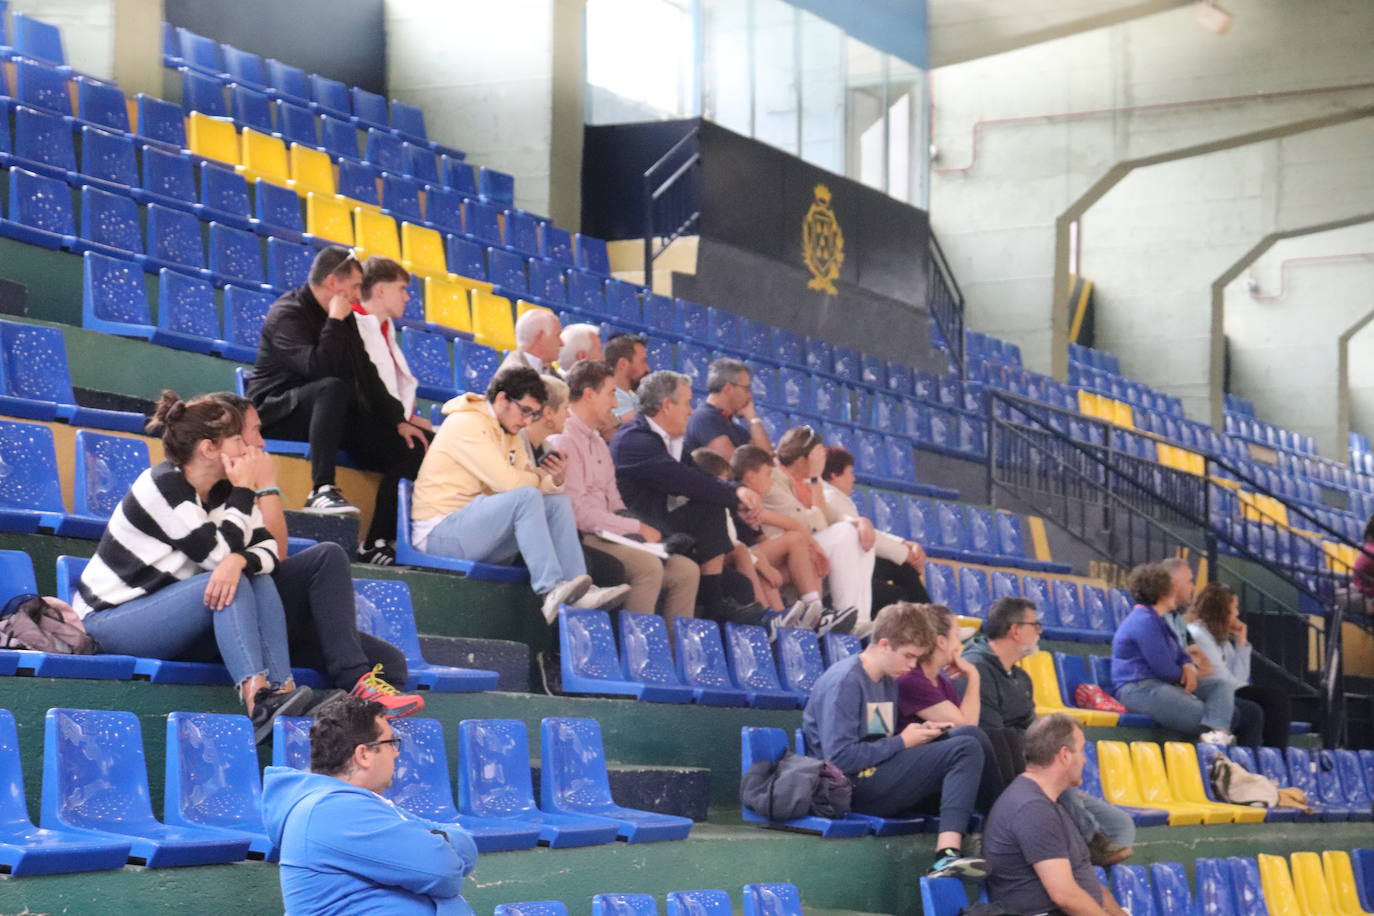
{"points": [[1137, 775], [1317, 886], [1180, 459], [257, 155], [1101, 407]]}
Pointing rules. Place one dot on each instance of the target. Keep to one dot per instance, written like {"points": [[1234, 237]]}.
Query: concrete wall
{"points": [[1282, 319], [502, 82], [1361, 381], [1157, 240], [1026, 137]]}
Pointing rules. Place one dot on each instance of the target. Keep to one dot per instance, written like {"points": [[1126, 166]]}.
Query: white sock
{"points": [[811, 596]]}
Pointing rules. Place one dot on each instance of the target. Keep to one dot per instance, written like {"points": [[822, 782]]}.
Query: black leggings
{"points": [[1278, 712], [324, 415], [316, 588]]}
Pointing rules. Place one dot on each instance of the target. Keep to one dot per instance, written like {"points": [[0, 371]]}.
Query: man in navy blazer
{"points": [[662, 488]]}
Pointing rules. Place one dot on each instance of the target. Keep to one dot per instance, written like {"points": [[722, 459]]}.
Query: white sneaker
{"points": [[793, 616], [607, 599], [812, 617], [1217, 737], [565, 592]]}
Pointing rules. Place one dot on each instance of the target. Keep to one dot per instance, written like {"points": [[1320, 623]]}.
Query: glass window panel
{"points": [[822, 79], [775, 74]]}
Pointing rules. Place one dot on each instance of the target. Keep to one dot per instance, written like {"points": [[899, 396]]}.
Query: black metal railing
{"points": [[672, 204], [945, 301], [1130, 510]]}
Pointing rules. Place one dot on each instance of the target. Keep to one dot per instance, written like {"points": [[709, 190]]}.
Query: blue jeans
{"points": [[173, 623], [1091, 814], [525, 521], [1210, 707]]}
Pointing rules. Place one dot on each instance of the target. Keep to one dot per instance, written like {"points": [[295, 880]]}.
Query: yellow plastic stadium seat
{"points": [[1279, 896], [1340, 883], [422, 251], [264, 157], [1122, 415], [213, 138], [1154, 786], [521, 307], [493, 324], [311, 170], [1309, 883], [1087, 403], [375, 234], [1045, 686], [446, 303], [1185, 779], [1121, 787], [328, 219]]}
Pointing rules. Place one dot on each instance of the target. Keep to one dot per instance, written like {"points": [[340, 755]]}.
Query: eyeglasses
{"points": [[529, 413], [394, 742], [1039, 627]]}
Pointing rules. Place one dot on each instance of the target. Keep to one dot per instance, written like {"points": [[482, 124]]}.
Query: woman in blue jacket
{"points": [[1154, 676], [344, 848]]}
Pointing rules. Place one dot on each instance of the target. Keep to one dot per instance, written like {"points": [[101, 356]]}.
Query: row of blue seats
{"points": [[1093, 358], [384, 609], [233, 66], [1118, 388], [953, 531], [759, 900], [95, 811], [1248, 427], [979, 346], [1339, 784], [741, 671], [1091, 614]]}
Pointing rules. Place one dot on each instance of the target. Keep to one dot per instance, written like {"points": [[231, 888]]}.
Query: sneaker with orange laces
{"points": [[371, 687]]}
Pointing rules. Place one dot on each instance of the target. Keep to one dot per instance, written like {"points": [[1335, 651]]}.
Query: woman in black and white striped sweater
{"points": [[182, 571]]}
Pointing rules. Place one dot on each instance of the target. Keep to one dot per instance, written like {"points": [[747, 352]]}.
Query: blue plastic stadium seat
{"points": [[358, 181], [339, 138], [108, 160], [546, 283], [592, 254], [1131, 888], [423, 786], [288, 264], [1072, 625], [109, 225], [1305, 773], [475, 364], [288, 82], [291, 742], [506, 270], [696, 903], [522, 232], [1245, 881], [1005, 584], [168, 179], [799, 659], [573, 780], [245, 310], [624, 905], [236, 257], [466, 258], [37, 383], [1362, 861], [701, 663], [1073, 670], [369, 108], [251, 108], [384, 151], [421, 163], [973, 591], [586, 293], [42, 86], [244, 67], [186, 316], [942, 896], [330, 96], [277, 214], [40, 210], [114, 297], [212, 777], [1172, 894], [647, 658], [494, 781], [1215, 895], [408, 120], [1206, 754], [819, 355], [203, 93], [174, 241], [459, 176], [427, 352], [37, 39], [480, 222], [385, 610], [942, 582], [840, 645], [223, 197], [161, 122], [1354, 780], [754, 670], [407, 554], [591, 662], [1331, 787], [760, 744], [28, 850], [200, 52], [297, 124], [771, 900], [95, 782], [497, 187], [106, 467], [101, 104], [401, 197]]}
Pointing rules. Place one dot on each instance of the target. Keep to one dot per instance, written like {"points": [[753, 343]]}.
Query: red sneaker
{"points": [[371, 687]]}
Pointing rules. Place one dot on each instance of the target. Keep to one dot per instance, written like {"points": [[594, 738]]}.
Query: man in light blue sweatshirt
{"points": [[851, 718], [344, 848]]}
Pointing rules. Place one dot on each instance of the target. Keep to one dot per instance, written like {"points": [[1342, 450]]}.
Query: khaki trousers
{"points": [[670, 585]]}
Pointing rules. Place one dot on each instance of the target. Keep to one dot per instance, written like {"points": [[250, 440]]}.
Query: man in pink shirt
{"points": [[669, 585]]}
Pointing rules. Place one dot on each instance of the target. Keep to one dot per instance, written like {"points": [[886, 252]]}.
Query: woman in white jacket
{"points": [[1215, 625]]}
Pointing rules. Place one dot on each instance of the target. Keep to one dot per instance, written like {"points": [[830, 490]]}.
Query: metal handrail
{"points": [[654, 193], [945, 302]]}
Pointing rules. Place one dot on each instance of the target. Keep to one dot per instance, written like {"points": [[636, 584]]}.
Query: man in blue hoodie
{"points": [[344, 848]]}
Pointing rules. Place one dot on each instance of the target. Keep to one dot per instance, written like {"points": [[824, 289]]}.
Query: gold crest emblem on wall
{"points": [[822, 243]]}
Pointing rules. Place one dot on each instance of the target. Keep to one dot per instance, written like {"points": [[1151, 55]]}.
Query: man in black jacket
{"points": [[662, 488], [314, 382]]}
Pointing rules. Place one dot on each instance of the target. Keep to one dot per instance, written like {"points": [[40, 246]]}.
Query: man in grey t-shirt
{"points": [[1037, 858]]}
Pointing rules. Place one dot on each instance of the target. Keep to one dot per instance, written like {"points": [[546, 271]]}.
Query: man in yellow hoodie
{"points": [[480, 497]]}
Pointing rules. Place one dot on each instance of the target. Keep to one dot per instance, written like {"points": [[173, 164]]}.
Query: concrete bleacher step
{"points": [[510, 659]]}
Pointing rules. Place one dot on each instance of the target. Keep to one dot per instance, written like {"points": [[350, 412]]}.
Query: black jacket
{"points": [[300, 343], [1007, 696], [646, 475]]}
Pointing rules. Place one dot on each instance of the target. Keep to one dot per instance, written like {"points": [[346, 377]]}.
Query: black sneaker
{"points": [[732, 611], [267, 705], [377, 553], [319, 699], [550, 663], [837, 621], [328, 500]]}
